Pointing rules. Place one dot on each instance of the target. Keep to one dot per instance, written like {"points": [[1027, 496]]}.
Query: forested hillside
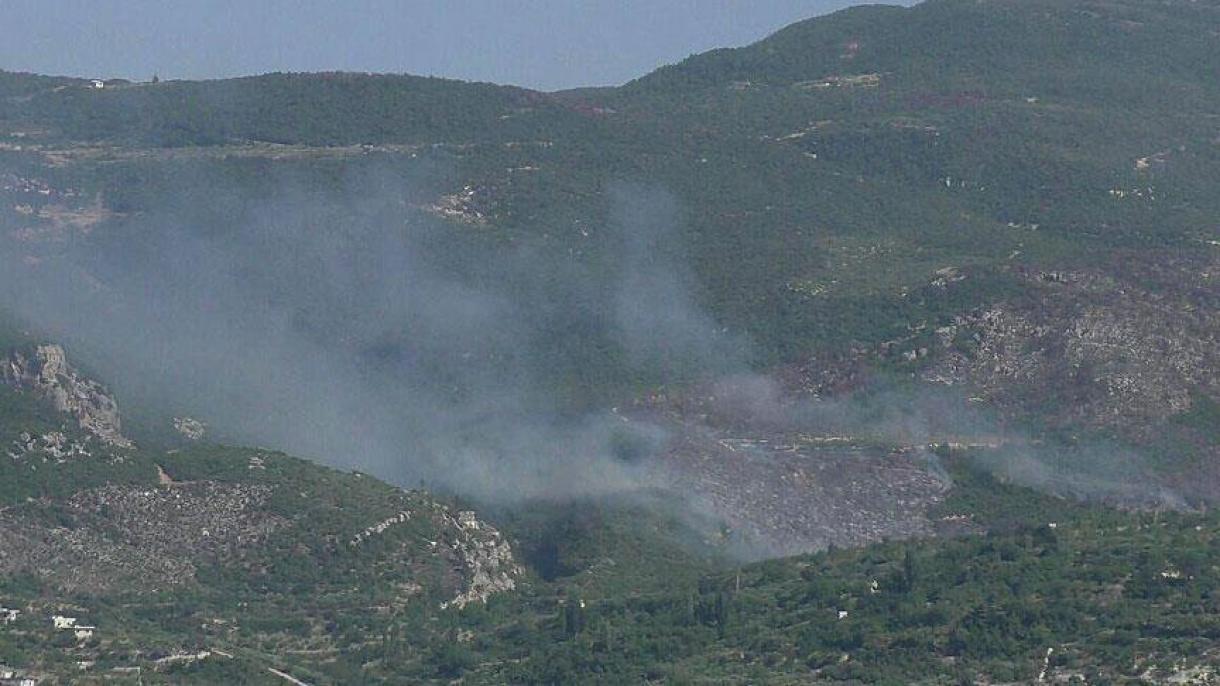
{"points": [[882, 350]]}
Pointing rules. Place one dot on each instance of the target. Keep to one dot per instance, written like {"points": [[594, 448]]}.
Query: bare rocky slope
{"points": [[90, 518], [156, 534]]}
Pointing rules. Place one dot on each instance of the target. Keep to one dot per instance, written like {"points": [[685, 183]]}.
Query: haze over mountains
{"points": [[891, 274], [543, 45]]}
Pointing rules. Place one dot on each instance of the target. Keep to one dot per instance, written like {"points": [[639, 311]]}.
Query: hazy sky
{"points": [[545, 44]]}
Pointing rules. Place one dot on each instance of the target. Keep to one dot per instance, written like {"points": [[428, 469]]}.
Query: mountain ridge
{"points": [[935, 285]]}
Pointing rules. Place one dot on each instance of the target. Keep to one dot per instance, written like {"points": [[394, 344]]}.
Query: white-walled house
{"points": [[61, 622]]}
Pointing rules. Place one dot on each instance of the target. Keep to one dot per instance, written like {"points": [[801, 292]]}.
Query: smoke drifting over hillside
{"points": [[336, 318], [928, 417], [346, 324]]}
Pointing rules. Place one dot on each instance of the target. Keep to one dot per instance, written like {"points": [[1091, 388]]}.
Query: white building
{"points": [[61, 622], [97, 83]]}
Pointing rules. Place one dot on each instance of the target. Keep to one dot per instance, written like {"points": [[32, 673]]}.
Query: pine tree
{"points": [[906, 580]]}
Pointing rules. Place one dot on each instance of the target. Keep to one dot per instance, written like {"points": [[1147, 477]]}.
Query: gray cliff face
{"points": [[47, 373], [485, 558]]}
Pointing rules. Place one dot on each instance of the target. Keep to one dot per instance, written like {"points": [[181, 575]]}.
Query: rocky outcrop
{"points": [[53, 445], [478, 558], [380, 527], [47, 373], [191, 429], [471, 206], [486, 560]]}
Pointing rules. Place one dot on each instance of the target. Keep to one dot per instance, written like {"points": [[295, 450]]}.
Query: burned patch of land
{"points": [[785, 495]]}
